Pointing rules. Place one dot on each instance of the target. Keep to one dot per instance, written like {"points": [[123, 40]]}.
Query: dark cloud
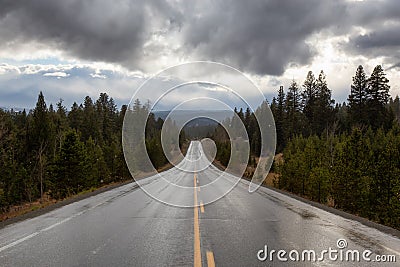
{"points": [[381, 21], [111, 31], [380, 42], [383, 38], [372, 13], [260, 36]]}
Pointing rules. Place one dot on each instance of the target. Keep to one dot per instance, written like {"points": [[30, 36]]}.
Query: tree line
{"points": [[343, 154], [346, 155], [58, 152]]}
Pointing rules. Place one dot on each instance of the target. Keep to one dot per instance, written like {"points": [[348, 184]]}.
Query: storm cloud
{"points": [[384, 38], [379, 22], [260, 37], [384, 42], [110, 31]]}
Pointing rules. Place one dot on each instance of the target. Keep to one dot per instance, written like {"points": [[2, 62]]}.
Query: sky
{"points": [[70, 49]]}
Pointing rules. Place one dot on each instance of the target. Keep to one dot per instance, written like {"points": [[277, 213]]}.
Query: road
{"points": [[126, 227]]}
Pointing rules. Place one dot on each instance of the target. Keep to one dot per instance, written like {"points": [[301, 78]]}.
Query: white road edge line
{"points": [[19, 241]]}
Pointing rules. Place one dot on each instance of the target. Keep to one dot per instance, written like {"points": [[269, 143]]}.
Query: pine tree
{"points": [[41, 124], [247, 119], [378, 97], [378, 88], [280, 119], [70, 169], [324, 113], [91, 121], [394, 104], [351, 168], [241, 115], [40, 139], [98, 169], [61, 124], [293, 110], [358, 98], [75, 117], [107, 113], [309, 96], [252, 130]]}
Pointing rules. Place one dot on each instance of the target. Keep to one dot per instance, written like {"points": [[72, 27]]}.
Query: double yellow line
{"points": [[197, 249]]}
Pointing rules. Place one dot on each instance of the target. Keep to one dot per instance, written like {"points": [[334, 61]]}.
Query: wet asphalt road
{"points": [[126, 227]]}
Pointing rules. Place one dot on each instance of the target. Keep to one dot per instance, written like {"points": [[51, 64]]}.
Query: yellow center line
{"points": [[210, 259], [201, 207], [197, 251]]}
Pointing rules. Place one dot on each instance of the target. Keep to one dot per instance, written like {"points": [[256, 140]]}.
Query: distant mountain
{"points": [[15, 109], [181, 116]]}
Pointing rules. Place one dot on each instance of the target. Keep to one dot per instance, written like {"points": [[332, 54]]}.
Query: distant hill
{"points": [[15, 109], [181, 116]]}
